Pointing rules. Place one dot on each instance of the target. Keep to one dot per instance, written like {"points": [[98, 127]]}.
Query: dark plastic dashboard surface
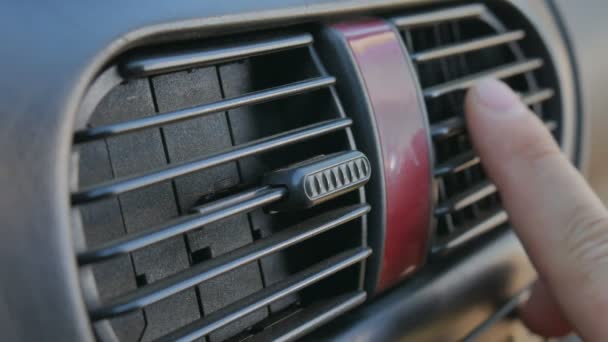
{"points": [[444, 302], [52, 50]]}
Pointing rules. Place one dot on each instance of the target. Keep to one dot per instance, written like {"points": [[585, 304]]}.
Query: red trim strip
{"points": [[400, 120]]}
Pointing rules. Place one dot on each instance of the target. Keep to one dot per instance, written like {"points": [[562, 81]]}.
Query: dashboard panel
{"points": [[583, 28]]}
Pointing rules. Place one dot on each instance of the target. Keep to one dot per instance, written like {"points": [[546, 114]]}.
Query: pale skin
{"points": [[560, 221]]}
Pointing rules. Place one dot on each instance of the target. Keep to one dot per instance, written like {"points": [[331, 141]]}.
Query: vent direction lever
{"points": [[319, 179]]}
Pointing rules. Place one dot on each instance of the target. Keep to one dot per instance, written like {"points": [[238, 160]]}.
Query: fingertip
{"points": [[495, 98], [502, 127], [489, 100], [492, 112]]}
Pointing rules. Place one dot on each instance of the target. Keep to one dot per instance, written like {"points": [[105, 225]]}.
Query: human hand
{"points": [[560, 221]]}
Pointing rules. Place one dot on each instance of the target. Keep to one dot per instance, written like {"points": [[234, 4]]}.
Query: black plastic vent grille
{"points": [[451, 49], [175, 243]]}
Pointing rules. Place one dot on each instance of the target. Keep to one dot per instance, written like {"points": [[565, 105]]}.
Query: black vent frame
{"points": [[450, 49], [320, 298]]}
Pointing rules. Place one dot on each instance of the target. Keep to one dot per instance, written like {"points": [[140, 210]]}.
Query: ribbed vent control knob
{"points": [[320, 179]]}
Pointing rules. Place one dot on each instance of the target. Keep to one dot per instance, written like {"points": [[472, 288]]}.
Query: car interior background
{"points": [[275, 169]]}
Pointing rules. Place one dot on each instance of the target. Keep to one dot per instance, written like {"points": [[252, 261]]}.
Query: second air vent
{"points": [[452, 48]]}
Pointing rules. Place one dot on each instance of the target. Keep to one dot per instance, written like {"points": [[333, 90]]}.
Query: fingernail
{"points": [[498, 97]]}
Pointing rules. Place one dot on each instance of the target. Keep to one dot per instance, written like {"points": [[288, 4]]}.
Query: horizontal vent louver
{"points": [[451, 49], [176, 241]]}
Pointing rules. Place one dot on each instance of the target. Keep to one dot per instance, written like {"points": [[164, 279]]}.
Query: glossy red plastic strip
{"points": [[400, 120]]}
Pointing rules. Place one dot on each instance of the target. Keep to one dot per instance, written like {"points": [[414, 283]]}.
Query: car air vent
{"points": [[181, 232], [451, 49]]}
